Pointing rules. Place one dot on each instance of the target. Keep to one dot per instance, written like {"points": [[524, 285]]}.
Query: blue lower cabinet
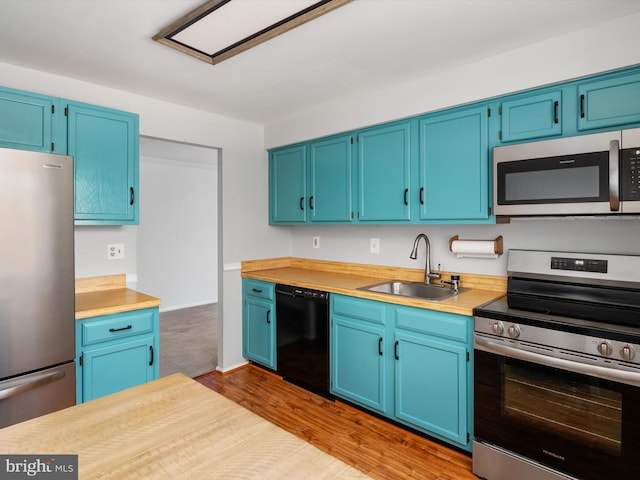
{"points": [[409, 364], [431, 385], [115, 352], [358, 363], [259, 322]]}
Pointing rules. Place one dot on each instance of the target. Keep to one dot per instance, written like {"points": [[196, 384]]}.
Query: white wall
{"points": [[598, 49], [177, 237], [243, 230], [91, 251], [601, 48]]}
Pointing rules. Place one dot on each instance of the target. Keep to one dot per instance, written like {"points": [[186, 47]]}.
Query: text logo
{"points": [[49, 467]]}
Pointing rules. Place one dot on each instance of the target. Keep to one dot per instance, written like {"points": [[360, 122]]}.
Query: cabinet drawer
{"points": [[259, 289], [112, 327], [441, 324], [368, 310]]}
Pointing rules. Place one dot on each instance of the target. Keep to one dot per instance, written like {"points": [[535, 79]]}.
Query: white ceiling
{"points": [[365, 45]]}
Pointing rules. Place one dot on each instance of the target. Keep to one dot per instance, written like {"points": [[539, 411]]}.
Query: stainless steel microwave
{"points": [[596, 174]]}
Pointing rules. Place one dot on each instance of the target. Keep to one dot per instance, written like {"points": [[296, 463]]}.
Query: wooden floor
{"points": [[373, 446]]}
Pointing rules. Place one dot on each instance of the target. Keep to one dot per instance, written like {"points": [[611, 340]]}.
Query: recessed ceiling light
{"points": [[220, 29]]}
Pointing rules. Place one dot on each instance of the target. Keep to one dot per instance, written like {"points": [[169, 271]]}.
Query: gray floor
{"points": [[189, 340]]}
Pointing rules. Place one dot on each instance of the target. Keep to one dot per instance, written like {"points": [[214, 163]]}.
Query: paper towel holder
{"points": [[497, 243]]}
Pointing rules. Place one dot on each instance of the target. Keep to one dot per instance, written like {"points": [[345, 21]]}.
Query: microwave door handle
{"points": [[614, 175]]}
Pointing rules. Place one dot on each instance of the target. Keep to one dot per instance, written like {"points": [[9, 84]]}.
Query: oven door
{"points": [[578, 424]]}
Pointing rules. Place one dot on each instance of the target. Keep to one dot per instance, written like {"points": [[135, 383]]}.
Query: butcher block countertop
{"points": [[97, 296], [172, 428], [346, 278]]}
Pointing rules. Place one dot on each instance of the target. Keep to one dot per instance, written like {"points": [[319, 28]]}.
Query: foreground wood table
{"points": [[172, 428]]}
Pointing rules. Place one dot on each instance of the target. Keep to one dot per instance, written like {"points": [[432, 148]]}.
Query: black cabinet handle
{"points": [[582, 106], [268, 316], [151, 352], [555, 112], [380, 346], [406, 192], [257, 290], [128, 327], [132, 196], [395, 351], [311, 202], [421, 195], [301, 203]]}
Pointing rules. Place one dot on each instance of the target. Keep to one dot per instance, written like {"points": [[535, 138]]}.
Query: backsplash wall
{"points": [[351, 243]]}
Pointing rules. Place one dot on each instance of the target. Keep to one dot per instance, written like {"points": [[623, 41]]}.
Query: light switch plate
{"points": [[316, 242]]}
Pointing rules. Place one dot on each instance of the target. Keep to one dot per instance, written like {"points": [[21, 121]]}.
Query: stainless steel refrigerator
{"points": [[37, 368]]}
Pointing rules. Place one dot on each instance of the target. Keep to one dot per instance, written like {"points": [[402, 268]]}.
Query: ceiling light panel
{"points": [[237, 20], [220, 29]]}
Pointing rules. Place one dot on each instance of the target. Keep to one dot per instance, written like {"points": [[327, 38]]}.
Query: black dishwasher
{"points": [[302, 326]]}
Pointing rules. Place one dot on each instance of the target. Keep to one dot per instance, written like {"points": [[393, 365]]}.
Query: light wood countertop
{"points": [[344, 278], [109, 294], [172, 428]]}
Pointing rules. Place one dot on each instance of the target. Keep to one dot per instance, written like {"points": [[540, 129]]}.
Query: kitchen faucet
{"points": [[428, 275]]}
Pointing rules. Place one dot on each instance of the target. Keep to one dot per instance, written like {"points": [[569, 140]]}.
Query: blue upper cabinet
{"points": [[384, 173], [612, 101], [287, 185], [27, 121], [331, 180], [104, 144], [531, 116], [454, 165]]}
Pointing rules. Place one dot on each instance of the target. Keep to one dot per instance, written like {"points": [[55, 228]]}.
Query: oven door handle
{"points": [[622, 376]]}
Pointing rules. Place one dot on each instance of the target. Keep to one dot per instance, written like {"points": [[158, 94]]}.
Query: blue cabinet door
{"points": [[118, 366], [358, 362], [384, 173], [104, 144], [609, 102], [431, 385], [454, 166], [359, 358], [531, 116], [287, 185], [27, 121], [331, 176], [259, 323]]}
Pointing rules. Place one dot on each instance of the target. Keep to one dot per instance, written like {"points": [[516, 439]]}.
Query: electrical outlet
{"points": [[115, 251], [375, 245], [316, 242]]}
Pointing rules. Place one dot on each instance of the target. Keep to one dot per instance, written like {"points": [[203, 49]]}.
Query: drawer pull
{"points": [[257, 290], [128, 327]]}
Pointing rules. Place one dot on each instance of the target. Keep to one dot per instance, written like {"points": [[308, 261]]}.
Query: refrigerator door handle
{"points": [[38, 381]]}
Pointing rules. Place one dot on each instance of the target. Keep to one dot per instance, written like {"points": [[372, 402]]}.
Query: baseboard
{"points": [[233, 367], [187, 305]]}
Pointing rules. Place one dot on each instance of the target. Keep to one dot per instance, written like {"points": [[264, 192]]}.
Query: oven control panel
{"points": [[519, 335], [579, 264]]}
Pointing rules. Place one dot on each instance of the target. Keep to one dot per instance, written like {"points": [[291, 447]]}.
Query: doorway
{"points": [[177, 250]]}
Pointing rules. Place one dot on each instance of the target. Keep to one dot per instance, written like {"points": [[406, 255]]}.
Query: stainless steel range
{"points": [[557, 370]]}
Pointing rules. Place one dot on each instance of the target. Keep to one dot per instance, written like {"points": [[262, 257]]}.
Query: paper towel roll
{"points": [[474, 248]]}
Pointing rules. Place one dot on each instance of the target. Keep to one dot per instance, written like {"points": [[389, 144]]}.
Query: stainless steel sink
{"points": [[414, 289]]}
